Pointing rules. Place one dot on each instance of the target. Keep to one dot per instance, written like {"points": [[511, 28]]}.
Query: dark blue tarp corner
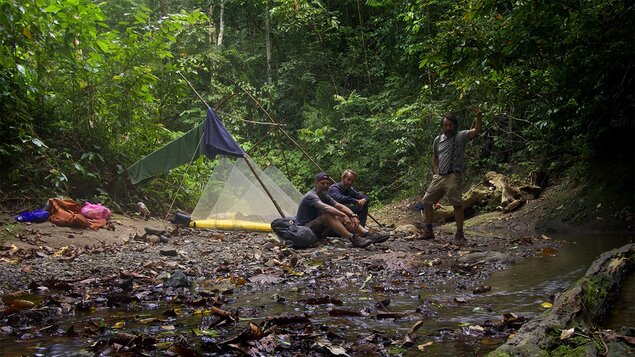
{"points": [[217, 140]]}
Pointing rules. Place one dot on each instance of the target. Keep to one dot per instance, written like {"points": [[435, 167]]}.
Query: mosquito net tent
{"points": [[234, 199]]}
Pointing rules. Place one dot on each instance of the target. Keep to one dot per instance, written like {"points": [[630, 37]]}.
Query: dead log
{"points": [[494, 187], [476, 194], [511, 197], [575, 312]]}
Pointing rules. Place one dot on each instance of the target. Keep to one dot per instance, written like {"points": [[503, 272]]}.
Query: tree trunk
{"points": [[268, 42], [221, 23], [361, 27], [163, 7], [212, 26]]}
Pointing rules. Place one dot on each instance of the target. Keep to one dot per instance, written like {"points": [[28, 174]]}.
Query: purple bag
{"points": [[37, 216]]}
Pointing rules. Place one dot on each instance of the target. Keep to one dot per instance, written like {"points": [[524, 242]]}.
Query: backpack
{"points": [[297, 237]]}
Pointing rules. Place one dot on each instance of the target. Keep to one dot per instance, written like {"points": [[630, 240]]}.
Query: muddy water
{"points": [[452, 319], [524, 287]]}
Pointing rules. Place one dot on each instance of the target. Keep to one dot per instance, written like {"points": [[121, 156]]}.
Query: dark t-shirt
{"points": [[345, 196], [311, 206]]}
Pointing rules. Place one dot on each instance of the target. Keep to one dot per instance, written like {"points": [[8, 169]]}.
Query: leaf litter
{"points": [[241, 293]]}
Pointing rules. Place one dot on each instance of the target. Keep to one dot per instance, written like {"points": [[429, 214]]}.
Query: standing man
{"points": [[324, 215], [344, 193], [447, 162]]}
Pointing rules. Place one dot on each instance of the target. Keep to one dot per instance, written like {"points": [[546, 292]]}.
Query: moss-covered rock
{"points": [[579, 307]]}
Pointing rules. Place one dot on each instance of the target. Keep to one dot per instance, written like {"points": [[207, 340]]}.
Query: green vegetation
{"points": [[87, 88], [566, 351], [10, 231]]}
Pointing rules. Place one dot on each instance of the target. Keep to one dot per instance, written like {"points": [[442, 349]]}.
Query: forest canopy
{"points": [[88, 88]]}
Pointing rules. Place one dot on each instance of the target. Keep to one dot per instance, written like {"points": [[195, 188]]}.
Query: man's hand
{"points": [[353, 221], [478, 112], [361, 202]]}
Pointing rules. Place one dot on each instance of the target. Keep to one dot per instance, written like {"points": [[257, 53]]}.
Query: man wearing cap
{"points": [[323, 214], [344, 193], [447, 163]]}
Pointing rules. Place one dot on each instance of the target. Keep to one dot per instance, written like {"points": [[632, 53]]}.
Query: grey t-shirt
{"points": [[450, 150], [311, 206]]}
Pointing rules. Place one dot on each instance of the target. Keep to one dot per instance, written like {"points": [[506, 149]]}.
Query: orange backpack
{"points": [[67, 213]]}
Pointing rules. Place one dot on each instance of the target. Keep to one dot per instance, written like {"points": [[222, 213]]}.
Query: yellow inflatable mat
{"points": [[231, 225]]}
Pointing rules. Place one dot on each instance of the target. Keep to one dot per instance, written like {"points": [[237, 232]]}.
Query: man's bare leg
{"points": [[459, 217], [428, 234]]}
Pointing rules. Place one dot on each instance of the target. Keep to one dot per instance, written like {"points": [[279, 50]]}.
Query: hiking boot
{"points": [[459, 239], [360, 242], [428, 234], [377, 237]]}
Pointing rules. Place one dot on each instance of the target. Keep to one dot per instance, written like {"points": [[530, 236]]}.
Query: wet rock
{"points": [[481, 289], [154, 231], [168, 252], [432, 262], [408, 229], [484, 257], [178, 279]]}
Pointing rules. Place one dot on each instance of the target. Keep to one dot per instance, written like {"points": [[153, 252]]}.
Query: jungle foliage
{"points": [[89, 87]]}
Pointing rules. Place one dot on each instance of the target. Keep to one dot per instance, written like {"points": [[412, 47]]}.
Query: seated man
{"points": [[322, 214], [344, 193]]}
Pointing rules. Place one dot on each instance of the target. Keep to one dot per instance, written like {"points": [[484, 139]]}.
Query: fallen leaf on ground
{"points": [[549, 252], [422, 347], [336, 350], [567, 333]]}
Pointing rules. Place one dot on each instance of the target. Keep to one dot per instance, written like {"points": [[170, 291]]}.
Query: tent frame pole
{"points": [[253, 170]]}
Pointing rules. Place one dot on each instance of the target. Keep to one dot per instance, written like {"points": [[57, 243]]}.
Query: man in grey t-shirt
{"points": [[447, 161]]}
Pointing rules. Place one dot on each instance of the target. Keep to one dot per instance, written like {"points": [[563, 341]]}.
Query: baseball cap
{"points": [[321, 176]]}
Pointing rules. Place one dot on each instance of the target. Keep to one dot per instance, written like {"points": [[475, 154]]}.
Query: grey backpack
{"points": [[297, 237]]}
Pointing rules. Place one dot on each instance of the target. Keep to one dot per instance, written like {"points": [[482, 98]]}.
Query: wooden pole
{"points": [[253, 170], [191, 86]]}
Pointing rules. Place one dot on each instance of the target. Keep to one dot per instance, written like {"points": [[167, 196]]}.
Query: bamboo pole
{"points": [[253, 170]]}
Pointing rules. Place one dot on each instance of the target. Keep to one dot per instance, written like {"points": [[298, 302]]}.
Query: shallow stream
{"points": [[522, 290]]}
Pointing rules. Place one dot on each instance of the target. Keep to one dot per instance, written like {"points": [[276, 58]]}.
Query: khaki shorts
{"points": [[440, 186], [320, 226]]}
